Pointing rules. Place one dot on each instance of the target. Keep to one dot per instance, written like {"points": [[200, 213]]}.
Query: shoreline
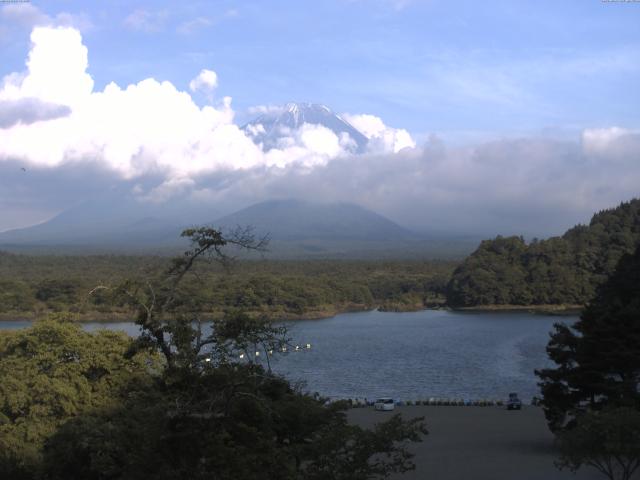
{"points": [[548, 309], [121, 317], [317, 314]]}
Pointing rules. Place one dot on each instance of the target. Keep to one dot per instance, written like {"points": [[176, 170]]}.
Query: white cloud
{"points": [[191, 26], [530, 186], [255, 129], [146, 20], [262, 109], [166, 190], [28, 15], [24, 14], [600, 140], [149, 126], [382, 139], [395, 4], [194, 25], [17, 16], [319, 139], [56, 69], [309, 146], [206, 81], [81, 22]]}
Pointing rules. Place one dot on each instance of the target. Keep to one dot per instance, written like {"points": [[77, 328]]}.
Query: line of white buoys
{"points": [[283, 349], [432, 401]]}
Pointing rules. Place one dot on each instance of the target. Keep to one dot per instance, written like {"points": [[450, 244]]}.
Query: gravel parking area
{"points": [[479, 443]]}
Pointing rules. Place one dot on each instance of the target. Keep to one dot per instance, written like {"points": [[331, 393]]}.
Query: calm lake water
{"points": [[413, 355]]}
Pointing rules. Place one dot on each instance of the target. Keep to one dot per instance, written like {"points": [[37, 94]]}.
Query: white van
{"points": [[385, 404]]}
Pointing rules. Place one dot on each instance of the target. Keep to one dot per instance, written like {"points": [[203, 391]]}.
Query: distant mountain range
{"points": [[297, 229], [270, 128], [107, 223]]}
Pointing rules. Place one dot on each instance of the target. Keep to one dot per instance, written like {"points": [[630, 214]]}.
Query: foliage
{"points": [[204, 413], [598, 358], [608, 440], [351, 453], [51, 373], [560, 270], [278, 289], [234, 422]]}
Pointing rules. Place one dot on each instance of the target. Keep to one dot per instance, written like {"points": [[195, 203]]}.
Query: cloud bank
{"points": [[381, 138], [150, 125], [151, 140], [29, 110]]}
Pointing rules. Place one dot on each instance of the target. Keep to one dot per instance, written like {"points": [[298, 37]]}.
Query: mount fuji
{"points": [[270, 128]]}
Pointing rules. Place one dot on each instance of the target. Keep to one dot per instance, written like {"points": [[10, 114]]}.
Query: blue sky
{"points": [[495, 116], [461, 68]]}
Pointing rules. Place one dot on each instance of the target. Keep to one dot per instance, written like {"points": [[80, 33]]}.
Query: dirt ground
{"points": [[480, 443]]}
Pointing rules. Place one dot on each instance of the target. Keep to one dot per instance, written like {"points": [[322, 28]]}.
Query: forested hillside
{"points": [[559, 270], [35, 285]]}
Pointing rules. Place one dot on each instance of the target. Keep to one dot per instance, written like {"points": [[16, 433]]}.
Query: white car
{"points": [[384, 404]]}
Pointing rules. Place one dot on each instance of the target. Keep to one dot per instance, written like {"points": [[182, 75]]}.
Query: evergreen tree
{"points": [[598, 358]]}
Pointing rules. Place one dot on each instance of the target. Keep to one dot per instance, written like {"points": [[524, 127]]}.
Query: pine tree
{"points": [[598, 358]]}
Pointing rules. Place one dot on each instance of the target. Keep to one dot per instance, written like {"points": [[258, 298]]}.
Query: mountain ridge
{"points": [[291, 219]]}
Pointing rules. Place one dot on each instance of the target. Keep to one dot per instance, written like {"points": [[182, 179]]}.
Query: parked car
{"points": [[514, 402], [384, 404]]}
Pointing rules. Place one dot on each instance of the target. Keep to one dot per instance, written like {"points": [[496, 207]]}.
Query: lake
{"points": [[409, 356]]}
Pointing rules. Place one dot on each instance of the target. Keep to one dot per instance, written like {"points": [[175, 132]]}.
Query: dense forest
{"points": [[178, 401], [36, 285], [560, 270]]}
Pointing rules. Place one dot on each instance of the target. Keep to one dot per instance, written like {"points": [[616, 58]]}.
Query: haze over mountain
{"points": [[275, 126], [295, 220], [301, 229], [107, 222], [296, 228]]}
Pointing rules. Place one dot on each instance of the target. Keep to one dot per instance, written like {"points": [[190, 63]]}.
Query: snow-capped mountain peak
{"points": [[269, 128]]}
